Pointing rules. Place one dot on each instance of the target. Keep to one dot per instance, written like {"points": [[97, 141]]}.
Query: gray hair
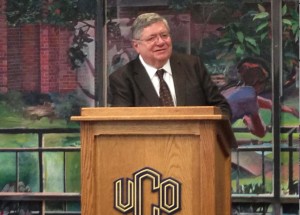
{"points": [[144, 20]]}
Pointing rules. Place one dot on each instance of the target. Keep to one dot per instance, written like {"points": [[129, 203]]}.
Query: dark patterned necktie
{"points": [[164, 92]]}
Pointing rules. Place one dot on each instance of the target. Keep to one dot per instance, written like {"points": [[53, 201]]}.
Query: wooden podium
{"points": [[157, 160]]}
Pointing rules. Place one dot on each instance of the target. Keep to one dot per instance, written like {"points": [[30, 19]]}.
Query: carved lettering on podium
{"points": [[128, 196]]}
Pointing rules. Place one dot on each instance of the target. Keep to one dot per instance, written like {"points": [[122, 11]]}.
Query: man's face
{"points": [[155, 45]]}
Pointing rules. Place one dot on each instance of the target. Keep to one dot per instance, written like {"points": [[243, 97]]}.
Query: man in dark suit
{"points": [[137, 83]]}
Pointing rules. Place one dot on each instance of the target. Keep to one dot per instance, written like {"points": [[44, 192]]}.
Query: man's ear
{"points": [[135, 45]]}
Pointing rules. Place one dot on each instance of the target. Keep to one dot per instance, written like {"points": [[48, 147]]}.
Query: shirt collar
{"points": [[151, 70]]}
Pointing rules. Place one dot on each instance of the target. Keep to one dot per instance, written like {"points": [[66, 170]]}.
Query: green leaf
{"points": [[261, 8], [287, 22], [295, 23], [224, 40], [251, 41], [227, 44], [295, 29], [254, 49], [263, 36], [262, 26], [239, 51], [284, 10], [261, 15], [240, 36], [294, 15]]}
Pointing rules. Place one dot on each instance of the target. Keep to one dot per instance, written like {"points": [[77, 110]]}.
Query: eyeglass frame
{"points": [[154, 38]]}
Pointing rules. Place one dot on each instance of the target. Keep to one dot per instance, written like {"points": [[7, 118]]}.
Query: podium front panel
{"points": [[179, 165], [172, 151]]}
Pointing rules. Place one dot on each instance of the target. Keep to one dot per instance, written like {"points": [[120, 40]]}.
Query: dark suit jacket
{"points": [[131, 85]]}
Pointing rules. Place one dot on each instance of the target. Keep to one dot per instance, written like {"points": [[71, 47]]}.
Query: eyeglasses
{"points": [[154, 38]]}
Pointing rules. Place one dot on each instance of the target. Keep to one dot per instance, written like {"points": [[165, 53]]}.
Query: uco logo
{"points": [[168, 191]]}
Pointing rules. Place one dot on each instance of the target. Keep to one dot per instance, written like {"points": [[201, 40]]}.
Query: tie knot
{"points": [[160, 73]]}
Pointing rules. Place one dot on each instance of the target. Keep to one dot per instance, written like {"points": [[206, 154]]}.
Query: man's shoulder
{"points": [[128, 68]]}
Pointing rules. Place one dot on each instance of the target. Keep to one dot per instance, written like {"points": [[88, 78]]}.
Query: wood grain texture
{"points": [[149, 113], [191, 149]]}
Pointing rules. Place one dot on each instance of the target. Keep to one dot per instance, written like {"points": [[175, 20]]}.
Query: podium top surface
{"points": [[150, 113], [137, 114]]}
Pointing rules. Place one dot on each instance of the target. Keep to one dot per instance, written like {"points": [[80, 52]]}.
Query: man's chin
{"points": [[162, 56]]}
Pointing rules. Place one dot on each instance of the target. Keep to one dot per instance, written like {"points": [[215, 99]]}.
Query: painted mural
{"points": [[47, 73]]}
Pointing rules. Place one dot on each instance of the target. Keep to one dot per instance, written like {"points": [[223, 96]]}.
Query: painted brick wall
{"points": [[34, 58], [14, 70], [29, 53], [60, 40], [3, 48]]}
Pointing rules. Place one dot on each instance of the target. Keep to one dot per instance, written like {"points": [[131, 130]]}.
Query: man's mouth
{"points": [[160, 50]]}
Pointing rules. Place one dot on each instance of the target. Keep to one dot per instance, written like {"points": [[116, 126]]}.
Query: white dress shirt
{"points": [[155, 80]]}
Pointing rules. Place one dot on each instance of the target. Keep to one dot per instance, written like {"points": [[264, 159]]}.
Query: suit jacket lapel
{"points": [[144, 83], [179, 80]]}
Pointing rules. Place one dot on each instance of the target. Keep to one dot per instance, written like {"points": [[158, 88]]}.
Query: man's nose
{"points": [[159, 39]]}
